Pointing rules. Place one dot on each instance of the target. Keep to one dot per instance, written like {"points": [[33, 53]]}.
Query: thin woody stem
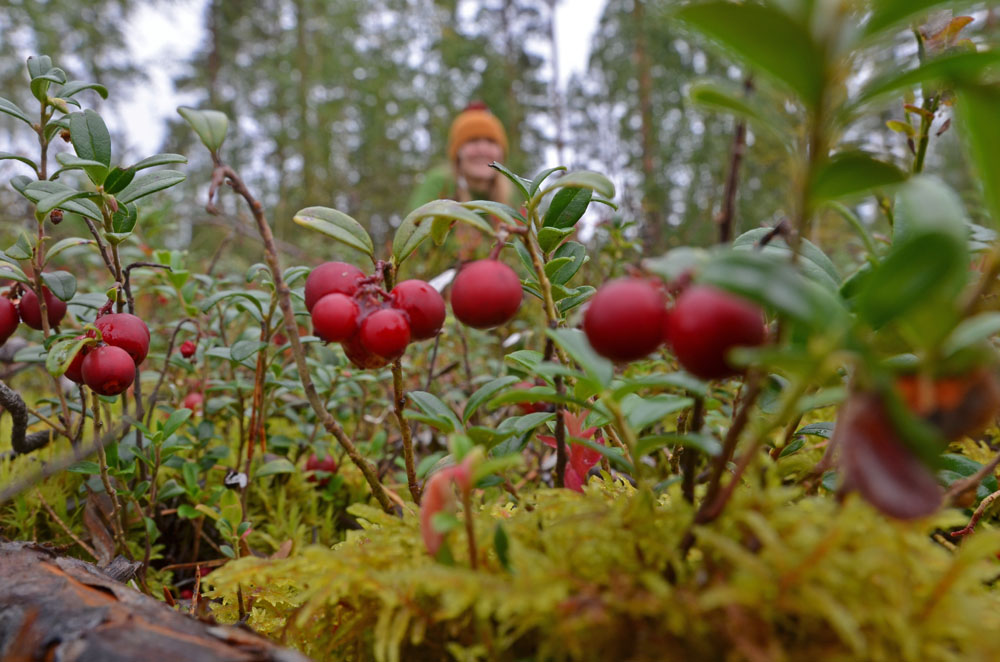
{"points": [[223, 173]]}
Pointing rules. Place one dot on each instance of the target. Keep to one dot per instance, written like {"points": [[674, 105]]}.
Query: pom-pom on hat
{"points": [[476, 121]]}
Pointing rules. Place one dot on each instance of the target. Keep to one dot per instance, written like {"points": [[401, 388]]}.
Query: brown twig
{"points": [[58, 520], [223, 173], [728, 211]]}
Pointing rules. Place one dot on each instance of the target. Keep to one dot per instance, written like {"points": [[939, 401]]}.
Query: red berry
{"points": [[327, 464], [706, 323], [126, 331], [486, 293], [625, 319], [31, 312], [385, 333], [331, 277], [193, 401], [108, 370], [188, 348], [8, 319], [423, 306], [74, 372], [529, 407], [359, 356], [335, 317]]}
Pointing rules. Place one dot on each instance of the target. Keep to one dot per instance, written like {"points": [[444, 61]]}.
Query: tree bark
{"points": [[54, 608]]}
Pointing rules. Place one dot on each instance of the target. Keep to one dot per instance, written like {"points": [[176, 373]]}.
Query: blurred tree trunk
{"points": [[652, 198]]}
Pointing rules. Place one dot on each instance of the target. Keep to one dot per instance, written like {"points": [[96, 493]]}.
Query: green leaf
{"points": [[682, 260], [731, 98], [37, 190], [13, 272], [61, 354], [944, 69], [925, 204], [578, 297], [227, 551], [971, 331], [118, 179], [17, 157], [336, 225], [22, 248], [90, 137], [888, 14], [174, 422], [484, 393], [60, 283], [586, 179], [643, 412], [147, 184], [11, 108], [417, 225], [704, 443], [566, 207], [244, 349], [279, 466], [977, 112], [74, 86], [431, 405], [85, 467], [505, 213], [911, 276], [549, 238], [766, 39], [536, 183], [63, 244], [501, 545], [57, 200], [123, 221], [852, 173], [517, 180], [158, 160], [210, 125], [526, 423], [812, 260], [775, 284], [575, 344]]}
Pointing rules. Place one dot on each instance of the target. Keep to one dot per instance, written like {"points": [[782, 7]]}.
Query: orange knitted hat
{"points": [[476, 121]]}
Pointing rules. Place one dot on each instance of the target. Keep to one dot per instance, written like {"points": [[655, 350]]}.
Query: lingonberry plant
{"points": [[710, 442]]}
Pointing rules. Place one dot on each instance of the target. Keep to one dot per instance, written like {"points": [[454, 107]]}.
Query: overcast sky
{"points": [[162, 36]]}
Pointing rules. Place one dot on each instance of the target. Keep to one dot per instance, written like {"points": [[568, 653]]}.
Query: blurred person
{"points": [[476, 139]]}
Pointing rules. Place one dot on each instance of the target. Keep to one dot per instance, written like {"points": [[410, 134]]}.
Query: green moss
{"points": [[599, 576]]}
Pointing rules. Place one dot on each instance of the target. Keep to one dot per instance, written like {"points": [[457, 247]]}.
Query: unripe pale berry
{"points": [[423, 306], [335, 317], [625, 319], [706, 323], [108, 370], [126, 331], [31, 312], [331, 277], [8, 319], [385, 333], [486, 293]]}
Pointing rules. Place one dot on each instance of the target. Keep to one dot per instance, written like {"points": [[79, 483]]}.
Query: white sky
{"points": [[160, 37]]}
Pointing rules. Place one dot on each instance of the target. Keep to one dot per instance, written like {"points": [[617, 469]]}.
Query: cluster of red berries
{"points": [[29, 312], [109, 368], [373, 326], [629, 318]]}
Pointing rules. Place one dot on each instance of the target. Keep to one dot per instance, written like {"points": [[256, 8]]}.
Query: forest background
{"points": [[346, 103]]}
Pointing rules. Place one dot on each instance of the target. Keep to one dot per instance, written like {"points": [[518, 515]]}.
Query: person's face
{"points": [[475, 157]]}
